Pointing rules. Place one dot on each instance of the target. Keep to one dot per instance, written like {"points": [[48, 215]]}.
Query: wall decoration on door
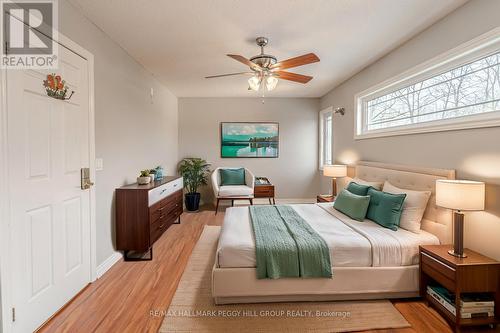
{"points": [[56, 87], [249, 139]]}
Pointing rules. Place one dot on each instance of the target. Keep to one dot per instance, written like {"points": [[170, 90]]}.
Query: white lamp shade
{"points": [[271, 83], [460, 194], [335, 170], [254, 83]]}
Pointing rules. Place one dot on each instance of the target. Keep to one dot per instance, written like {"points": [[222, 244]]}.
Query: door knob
{"points": [[85, 182]]}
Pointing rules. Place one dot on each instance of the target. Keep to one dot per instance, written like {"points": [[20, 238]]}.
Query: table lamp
{"points": [[459, 195], [335, 171]]}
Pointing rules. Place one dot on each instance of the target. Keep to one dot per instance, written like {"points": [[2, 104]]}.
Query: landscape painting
{"points": [[249, 140]]}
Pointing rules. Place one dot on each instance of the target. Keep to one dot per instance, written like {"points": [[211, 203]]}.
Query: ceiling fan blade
{"points": [[297, 61], [293, 77], [222, 75], [245, 61]]}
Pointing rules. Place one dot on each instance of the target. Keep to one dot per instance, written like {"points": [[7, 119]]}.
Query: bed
{"points": [[368, 261]]}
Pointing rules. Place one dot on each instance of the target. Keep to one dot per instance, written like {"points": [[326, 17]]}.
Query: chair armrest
{"points": [[249, 178], [215, 182]]}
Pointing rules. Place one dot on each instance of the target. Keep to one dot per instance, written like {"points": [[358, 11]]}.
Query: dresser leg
{"points": [[217, 206], [178, 220]]}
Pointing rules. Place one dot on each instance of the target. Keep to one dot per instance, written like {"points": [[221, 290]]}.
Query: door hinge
{"points": [[13, 314]]}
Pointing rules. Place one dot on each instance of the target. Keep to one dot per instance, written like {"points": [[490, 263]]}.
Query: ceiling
{"points": [[183, 41]]}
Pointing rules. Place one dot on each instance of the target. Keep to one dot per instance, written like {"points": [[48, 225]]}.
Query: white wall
{"points": [[475, 154], [132, 132], [294, 172]]}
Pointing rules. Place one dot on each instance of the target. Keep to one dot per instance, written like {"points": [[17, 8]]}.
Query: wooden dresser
{"points": [[144, 212]]}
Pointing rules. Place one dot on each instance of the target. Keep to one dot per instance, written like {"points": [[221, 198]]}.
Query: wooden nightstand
{"points": [[264, 190], [474, 274], [325, 198]]}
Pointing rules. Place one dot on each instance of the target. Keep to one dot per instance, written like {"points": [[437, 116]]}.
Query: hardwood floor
{"points": [[123, 299]]}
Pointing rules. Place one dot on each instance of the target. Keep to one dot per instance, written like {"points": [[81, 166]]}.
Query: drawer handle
{"points": [[175, 185], [438, 262], [162, 217], [163, 191], [161, 209], [161, 226]]}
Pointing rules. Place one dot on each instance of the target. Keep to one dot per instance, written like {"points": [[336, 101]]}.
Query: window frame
{"points": [[475, 49], [322, 113]]}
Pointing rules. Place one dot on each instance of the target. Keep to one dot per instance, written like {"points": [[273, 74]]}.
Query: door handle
{"points": [[85, 182]]}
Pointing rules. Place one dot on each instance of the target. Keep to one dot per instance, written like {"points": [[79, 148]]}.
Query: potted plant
{"points": [[152, 174], [195, 172], [144, 178]]}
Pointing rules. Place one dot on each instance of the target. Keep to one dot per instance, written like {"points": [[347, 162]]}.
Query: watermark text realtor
{"points": [[28, 34]]}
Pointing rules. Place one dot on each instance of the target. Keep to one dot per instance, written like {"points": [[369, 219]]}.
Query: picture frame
{"points": [[249, 139]]}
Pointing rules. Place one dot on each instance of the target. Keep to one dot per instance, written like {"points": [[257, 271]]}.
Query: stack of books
{"points": [[471, 305], [262, 181]]}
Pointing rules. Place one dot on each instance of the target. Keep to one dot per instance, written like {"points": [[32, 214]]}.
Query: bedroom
{"points": [[147, 103]]}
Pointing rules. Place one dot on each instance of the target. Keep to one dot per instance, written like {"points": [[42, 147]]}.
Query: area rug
{"points": [[193, 310]]}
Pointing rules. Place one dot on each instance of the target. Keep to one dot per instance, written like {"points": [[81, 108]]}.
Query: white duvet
{"points": [[352, 243]]}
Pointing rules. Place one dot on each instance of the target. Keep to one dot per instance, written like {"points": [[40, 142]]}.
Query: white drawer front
{"points": [[164, 191]]}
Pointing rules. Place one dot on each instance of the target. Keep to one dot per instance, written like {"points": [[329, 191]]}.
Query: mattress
{"points": [[352, 243]]}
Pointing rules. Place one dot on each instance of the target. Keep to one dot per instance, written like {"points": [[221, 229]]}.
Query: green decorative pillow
{"points": [[385, 208], [352, 205], [232, 176], [358, 189]]}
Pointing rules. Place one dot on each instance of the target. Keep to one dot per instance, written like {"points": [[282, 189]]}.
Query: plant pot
{"points": [[143, 180], [192, 201]]}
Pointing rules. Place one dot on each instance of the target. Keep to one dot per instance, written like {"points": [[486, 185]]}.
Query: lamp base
{"points": [[458, 235], [458, 255], [334, 187]]}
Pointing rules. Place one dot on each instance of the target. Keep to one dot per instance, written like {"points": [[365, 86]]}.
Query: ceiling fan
{"points": [[266, 70]]}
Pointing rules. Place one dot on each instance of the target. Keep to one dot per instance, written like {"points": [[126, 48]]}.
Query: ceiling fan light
{"points": [[254, 83], [271, 83]]}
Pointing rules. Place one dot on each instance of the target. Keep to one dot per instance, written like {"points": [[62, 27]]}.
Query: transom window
{"points": [[450, 92]]}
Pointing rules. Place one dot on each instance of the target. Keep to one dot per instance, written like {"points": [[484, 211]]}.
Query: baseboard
{"points": [[108, 263]]}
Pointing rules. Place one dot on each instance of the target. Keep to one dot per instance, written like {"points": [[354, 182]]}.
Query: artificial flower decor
{"points": [[56, 87]]}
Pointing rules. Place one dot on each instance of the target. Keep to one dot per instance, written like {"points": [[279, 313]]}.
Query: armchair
{"points": [[232, 192]]}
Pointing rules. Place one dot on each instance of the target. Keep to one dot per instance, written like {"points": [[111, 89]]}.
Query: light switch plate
{"points": [[99, 164]]}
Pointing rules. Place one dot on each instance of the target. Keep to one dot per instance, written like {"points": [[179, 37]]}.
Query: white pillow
{"points": [[413, 206], [375, 185]]}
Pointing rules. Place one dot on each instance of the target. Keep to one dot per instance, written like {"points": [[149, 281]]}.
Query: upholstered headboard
{"points": [[436, 220]]}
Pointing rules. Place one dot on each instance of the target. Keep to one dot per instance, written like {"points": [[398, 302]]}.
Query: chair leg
{"points": [[217, 207], [251, 202], [232, 203]]}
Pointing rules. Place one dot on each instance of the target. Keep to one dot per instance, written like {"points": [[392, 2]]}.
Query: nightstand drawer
{"points": [[438, 270], [264, 191]]}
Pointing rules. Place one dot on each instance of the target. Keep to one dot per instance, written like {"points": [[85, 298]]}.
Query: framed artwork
{"points": [[250, 139]]}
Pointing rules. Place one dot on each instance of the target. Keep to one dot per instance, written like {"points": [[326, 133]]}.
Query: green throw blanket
{"points": [[286, 245]]}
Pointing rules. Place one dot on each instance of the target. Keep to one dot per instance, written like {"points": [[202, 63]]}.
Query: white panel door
{"points": [[50, 214]]}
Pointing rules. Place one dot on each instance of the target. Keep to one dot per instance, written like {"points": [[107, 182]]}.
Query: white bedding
{"points": [[352, 243]]}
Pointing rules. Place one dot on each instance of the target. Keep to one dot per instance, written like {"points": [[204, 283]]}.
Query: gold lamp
{"points": [[459, 195], [335, 171]]}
